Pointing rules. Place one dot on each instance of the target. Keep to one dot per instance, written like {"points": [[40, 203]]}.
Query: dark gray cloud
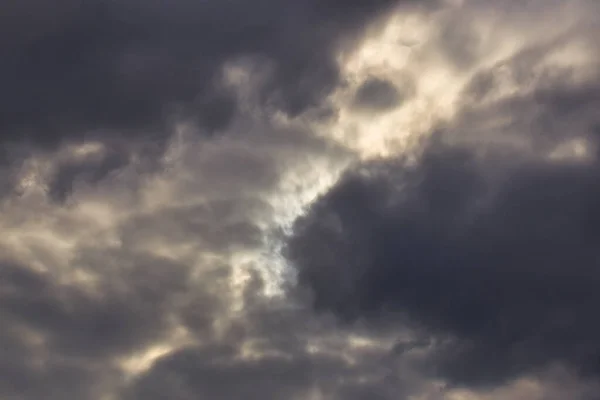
{"points": [[492, 250], [126, 71], [123, 285], [377, 95], [124, 67]]}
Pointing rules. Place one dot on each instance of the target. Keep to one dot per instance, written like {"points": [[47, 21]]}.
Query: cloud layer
{"points": [[391, 199]]}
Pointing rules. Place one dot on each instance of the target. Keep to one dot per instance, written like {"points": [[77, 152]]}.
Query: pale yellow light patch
{"points": [[241, 264], [139, 363], [576, 149], [357, 342], [161, 247], [25, 242], [85, 150], [350, 347], [253, 350], [99, 216], [388, 49], [331, 348], [430, 87]]}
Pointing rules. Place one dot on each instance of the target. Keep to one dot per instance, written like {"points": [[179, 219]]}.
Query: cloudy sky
{"points": [[299, 199]]}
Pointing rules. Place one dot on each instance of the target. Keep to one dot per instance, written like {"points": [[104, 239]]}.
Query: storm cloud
{"points": [[299, 199], [80, 68], [492, 248]]}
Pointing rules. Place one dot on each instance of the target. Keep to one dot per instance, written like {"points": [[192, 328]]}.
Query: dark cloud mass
{"points": [[108, 66], [99, 70], [377, 95], [493, 250], [299, 200]]}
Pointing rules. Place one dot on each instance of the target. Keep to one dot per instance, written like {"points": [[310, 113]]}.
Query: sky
{"points": [[299, 199]]}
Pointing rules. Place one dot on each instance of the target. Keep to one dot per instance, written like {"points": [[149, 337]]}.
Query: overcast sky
{"points": [[299, 199]]}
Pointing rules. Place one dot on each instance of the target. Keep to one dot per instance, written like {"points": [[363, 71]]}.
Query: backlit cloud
{"points": [[299, 199]]}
